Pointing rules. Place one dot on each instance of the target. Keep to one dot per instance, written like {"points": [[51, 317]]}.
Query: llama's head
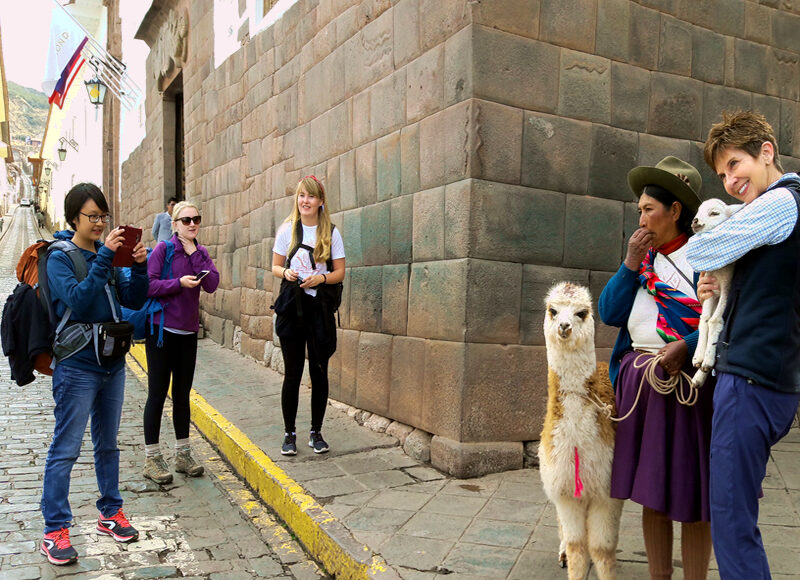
{"points": [[568, 320], [711, 213]]}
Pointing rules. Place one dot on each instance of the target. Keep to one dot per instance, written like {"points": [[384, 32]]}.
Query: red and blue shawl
{"points": [[678, 314]]}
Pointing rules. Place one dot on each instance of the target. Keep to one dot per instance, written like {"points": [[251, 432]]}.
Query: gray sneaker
{"points": [[185, 463], [155, 468]]}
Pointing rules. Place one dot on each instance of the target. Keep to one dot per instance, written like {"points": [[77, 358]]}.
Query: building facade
{"points": [[474, 153]]}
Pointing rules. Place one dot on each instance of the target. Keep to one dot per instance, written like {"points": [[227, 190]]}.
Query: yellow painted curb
{"points": [[326, 539]]}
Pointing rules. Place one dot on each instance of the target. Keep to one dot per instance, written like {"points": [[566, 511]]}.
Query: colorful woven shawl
{"points": [[678, 314]]}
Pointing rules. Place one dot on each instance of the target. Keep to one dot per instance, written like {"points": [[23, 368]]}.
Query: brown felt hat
{"points": [[681, 179]]}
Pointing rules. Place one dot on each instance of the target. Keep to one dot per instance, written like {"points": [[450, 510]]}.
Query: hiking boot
{"points": [[58, 549], [316, 442], [118, 527], [289, 444], [155, 468], [185, 463]]}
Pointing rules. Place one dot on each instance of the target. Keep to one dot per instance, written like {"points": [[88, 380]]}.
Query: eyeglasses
{"points": [[94, 218], [187, 220]]}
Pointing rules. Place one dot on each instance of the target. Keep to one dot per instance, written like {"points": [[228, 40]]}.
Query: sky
{"points": [[26, 40], [25, 28]]}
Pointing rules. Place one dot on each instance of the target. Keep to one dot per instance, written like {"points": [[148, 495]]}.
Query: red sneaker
{"points": [[58, 549], [118, 527]]}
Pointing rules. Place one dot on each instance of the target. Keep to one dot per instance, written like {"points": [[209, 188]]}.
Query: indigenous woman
{"points": [[661, 455]]}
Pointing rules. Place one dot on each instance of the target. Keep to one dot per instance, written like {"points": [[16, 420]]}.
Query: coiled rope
{"points": [[672, 384]]}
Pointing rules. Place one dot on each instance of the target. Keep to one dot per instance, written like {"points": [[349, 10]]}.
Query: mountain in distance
{"points": [[27, 113]]}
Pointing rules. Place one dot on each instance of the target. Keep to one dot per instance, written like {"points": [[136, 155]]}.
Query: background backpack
{"points": [[153, 306]]}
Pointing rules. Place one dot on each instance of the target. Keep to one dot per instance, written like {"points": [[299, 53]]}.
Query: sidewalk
{"points": [[367, 510]]}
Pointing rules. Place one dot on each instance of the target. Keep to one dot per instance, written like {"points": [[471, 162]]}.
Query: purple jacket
{"points": [[182, 305]]}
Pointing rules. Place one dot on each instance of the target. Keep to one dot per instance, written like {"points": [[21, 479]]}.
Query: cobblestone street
{"points": [[207, 527]]}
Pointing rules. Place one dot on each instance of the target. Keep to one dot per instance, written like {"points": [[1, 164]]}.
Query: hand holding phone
{"points": [[131, 236], [202, 274]]}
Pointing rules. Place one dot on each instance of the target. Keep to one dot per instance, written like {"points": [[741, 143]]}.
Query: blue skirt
{"points": [[662, 449]]}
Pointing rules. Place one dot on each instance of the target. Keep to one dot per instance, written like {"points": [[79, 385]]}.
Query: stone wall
{"points": [[474, 152]]}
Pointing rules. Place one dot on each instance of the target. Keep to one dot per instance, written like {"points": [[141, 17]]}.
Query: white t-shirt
{"points": [[301, 261], [644, 314]]}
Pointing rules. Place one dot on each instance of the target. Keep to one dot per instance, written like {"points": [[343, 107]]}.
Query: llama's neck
{"points": [[573, 366]]}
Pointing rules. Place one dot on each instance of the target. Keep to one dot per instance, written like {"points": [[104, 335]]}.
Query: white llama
{"points": [[710, 214], [577, 441]]}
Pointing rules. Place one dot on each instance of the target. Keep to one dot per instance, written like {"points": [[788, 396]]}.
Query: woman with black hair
{"points": [[661, 455], [89, 374]]}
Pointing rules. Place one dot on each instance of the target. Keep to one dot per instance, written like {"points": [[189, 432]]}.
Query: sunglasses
{"points": [[187, 220]]}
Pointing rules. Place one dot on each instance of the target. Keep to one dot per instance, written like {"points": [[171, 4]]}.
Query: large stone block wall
{"points": [[473, 153]]}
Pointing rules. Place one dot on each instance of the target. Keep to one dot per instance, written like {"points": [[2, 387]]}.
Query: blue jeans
{"points": [[80, 394], [748, 420]]}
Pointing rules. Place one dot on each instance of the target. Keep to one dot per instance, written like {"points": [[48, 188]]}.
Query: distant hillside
{"points": [[27, 112]]}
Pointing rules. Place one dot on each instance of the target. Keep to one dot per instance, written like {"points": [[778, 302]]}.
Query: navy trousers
{"points": [[748, 420]]}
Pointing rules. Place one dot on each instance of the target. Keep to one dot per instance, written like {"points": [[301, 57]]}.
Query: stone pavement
{"points": [[208, 527], [422, 523]]}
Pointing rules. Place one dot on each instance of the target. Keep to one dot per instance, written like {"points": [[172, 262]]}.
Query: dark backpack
{"points": [[289, 296], [331, 294], [153, 306], [22, 320]]}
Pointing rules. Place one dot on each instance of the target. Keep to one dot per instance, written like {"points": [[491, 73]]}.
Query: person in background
{"points": [[86, 384], [192, 270], [162, 226], [662, 444], [308, 255], [758, 352]]}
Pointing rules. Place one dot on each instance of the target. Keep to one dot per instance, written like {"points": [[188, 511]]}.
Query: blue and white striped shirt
{"points": [[767, 220]]}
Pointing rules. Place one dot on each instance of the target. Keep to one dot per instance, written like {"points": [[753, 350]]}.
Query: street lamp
{"points": [[62, 147], [47, 170], [97, 91]]}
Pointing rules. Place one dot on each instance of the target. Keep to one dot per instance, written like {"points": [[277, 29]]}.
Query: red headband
{"points": [[322, 187]]}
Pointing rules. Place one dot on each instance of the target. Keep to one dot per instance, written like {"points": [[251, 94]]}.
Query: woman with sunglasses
{"points": [[174, 355]]}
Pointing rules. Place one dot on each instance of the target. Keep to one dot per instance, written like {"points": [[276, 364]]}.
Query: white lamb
{"points": [[710, 214], [577, 440]]}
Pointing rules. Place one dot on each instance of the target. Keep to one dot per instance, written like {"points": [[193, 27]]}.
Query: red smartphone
{"points": [[124, 254]]}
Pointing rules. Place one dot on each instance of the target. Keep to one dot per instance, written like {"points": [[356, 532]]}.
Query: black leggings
{"points": [[177, 358], [294, 358]]}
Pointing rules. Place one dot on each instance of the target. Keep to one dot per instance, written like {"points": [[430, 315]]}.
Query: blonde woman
{"points": [[172, 347], [308, 256]]}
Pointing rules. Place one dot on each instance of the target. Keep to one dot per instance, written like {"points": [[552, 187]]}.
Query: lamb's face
{"points": [[569, 320], [711, 213]]}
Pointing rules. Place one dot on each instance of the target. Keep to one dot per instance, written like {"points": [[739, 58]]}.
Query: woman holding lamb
{"points": [[661, 454], [758, 352]]}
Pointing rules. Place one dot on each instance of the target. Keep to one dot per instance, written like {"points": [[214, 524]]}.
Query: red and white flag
{"points": [[64, 59]]}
